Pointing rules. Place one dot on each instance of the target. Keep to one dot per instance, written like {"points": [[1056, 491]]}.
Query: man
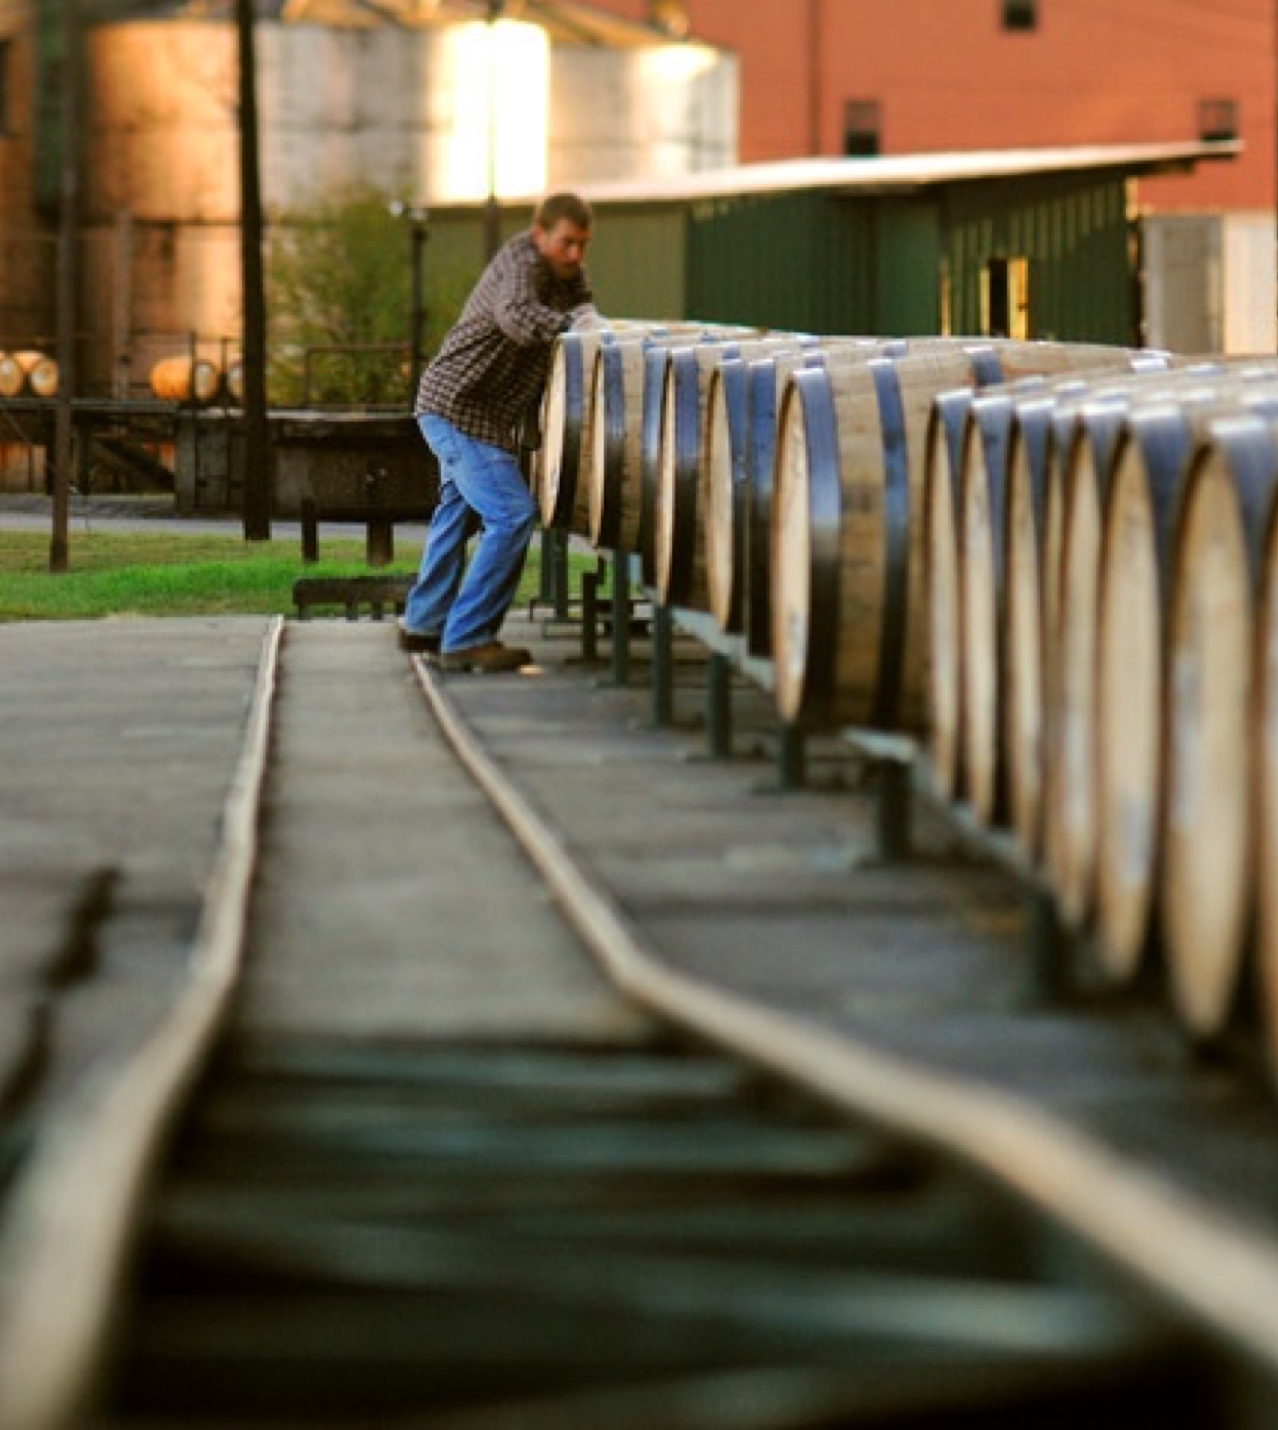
{"points": [[471, 402]]}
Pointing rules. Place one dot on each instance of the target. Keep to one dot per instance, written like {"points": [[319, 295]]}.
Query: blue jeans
{"points": [[466, 604]]}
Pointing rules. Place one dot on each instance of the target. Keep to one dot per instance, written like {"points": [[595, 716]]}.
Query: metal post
{"points": [[546, 576], [257, 495], [719, 705], [1048, 946], [68, 237], [492, 211], [589, 616], [893, 809], [416, 217], [561, 575], [662, 666], [792, 758], [621, 617]]}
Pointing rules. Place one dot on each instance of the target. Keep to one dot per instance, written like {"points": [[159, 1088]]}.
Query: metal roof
{"points": [[565, 21], [907, 172]]}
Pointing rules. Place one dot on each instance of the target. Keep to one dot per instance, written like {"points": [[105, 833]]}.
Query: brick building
{"points": [[826, 77], [829, 77]]}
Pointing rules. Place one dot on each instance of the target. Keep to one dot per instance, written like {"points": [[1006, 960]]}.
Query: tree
{"points": [[339, 285]]}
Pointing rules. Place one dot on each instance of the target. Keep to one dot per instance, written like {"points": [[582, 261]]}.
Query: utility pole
{"points": [[68, 238], [257, 444], [417, 217], [492, 211]]}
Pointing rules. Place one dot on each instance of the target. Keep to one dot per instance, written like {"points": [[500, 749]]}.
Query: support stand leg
{"points": [[792, 759], [621, 617], [662, 667], [1048, 944], [893, 810], [546, 576], [719, 705], [589, 616]]}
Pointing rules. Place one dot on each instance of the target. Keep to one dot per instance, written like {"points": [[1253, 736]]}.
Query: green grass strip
{"points": [[163, 574]]}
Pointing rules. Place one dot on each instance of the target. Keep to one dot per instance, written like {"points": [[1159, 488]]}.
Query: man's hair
{"points": [[555, 207]]}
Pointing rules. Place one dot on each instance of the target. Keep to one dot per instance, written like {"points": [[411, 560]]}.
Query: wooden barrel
{"points": [[736, 473], [1149, 470], [1214, 772], [679, 556], [847, 574], [560, 469], [186, 379], [986, 460], [1084, 436], [1042, 433], [943, 460], [235, 381], [567, 403], [39, 373], [1265, 782], [11, 376], [945, 453], [626, 410], [767, 387], [1043, 430], [725, 492], [1030, 609], [686, 538]]}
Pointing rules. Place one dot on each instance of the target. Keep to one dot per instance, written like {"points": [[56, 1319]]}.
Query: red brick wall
{"points": [[948, 76]]}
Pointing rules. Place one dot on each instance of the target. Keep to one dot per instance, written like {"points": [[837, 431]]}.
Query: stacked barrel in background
{"points": [[28, 373], [197, 380], [181, 378], [1054, 565]]}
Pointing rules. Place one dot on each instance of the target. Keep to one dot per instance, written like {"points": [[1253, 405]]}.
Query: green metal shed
{"points": [[1036, 243]]}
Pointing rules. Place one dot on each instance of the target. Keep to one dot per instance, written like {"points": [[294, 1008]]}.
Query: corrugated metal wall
{"points": [[827, 262], [800, 261], [638, 263], [1074, 231]]}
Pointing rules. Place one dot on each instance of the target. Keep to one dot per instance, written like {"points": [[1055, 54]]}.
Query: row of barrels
{"points": [[1103, 597], [173, 379], [1052, 563], [196, 380]]}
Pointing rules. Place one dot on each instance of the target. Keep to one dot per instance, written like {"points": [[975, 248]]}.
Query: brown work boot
{"points": [[418, 641], [485, 659]]}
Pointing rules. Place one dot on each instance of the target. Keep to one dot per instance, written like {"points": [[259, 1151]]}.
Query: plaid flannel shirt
{"points": [[492, 366]]}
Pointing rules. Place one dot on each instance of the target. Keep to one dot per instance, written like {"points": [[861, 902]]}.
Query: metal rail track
{"points": [[742, 1222]]}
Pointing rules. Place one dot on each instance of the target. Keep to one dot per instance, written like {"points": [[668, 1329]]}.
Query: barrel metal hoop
{"points": [[574, 414], [761, 444], [610, 411], [987, 370], [1248, 447], [654, 368], [685, 378], [896, 536], [994, 421], [1165, 440], [825, 523]]}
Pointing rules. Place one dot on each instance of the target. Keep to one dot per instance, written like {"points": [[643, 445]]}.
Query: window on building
{"points": [[1005, 299], [862, 127], [1020, 14], [1217, 119]]}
